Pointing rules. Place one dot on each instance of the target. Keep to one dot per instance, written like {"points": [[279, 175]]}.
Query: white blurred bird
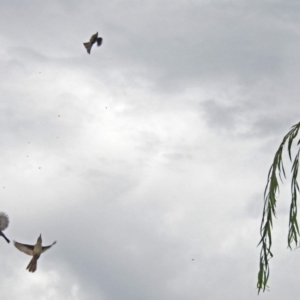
{"points": [[94, 38], [4, 221], [33, 250]]}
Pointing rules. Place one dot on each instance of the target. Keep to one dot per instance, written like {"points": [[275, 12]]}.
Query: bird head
{"points": [[40, 238]]}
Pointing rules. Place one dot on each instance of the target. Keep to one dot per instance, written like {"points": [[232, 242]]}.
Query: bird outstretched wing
{"points": [[27, 249], [48, 247]]}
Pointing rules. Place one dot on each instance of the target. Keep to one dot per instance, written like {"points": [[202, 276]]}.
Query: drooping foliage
{"points": [[275, 175]]}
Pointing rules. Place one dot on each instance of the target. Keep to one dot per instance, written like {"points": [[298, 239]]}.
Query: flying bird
{"points": [[33, 250], [94, 38], [4, 221]]}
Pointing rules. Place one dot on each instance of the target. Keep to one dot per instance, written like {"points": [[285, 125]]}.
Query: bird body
{"points": [[4, 221], [94, 38], [34, 250], [37, 250]]}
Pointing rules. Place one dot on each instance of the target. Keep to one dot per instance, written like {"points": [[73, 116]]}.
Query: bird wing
{"points": [[48, 247], [4, 221], [28, 249]]}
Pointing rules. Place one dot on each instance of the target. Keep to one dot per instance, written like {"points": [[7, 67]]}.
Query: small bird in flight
{"points": [[4, 221], [94, 38], [33, 250]]}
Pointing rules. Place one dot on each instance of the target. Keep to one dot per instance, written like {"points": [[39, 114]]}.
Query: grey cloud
{"points": [[222, 117]]}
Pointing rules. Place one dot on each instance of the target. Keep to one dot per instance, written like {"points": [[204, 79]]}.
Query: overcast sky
{"points": [[146, 160]]}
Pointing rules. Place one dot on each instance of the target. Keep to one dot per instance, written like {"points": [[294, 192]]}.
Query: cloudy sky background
{"points": [[146, 160]]}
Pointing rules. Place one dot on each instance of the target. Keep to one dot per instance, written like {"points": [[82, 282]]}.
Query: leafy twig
{"points": [[269, 211]]}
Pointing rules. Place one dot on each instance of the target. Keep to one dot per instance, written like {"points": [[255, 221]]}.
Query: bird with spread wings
{"points": [[33, 250]]}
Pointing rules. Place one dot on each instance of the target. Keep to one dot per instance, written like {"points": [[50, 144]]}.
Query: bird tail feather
{"points": [[32, 265], [88, 47]]}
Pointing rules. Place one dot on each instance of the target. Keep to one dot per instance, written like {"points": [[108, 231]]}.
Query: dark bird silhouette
{"points": [[4, 221], [33, 250], [94, 38]]}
